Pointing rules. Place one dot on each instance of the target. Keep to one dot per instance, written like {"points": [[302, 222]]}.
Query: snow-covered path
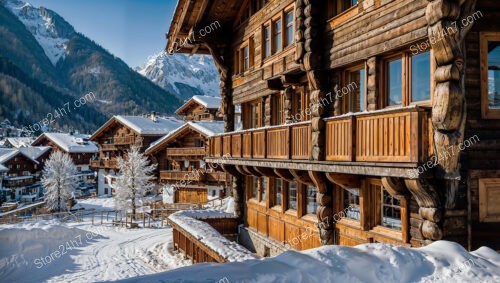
{"points": [[100, 253]]}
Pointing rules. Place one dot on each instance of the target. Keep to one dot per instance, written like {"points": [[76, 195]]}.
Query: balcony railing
{"points": [[392, 135], [104, 163], [182, 175], [123, 140], [190, 151]]}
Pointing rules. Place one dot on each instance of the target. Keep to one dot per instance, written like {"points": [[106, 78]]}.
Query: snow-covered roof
{"points": [[3, 168], [202, 231], [77, 143], [146, 126], [34, 152], [18, 142], [209, 102], [208, 128], [8, 153]]}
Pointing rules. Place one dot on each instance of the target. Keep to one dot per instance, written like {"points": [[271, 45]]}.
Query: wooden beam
{"points": [[290, 79], [395, 187], [346, 181], [285, 175], [242, 171], [302, 177], [231, 170], [268, 172], [275, 84], [325, 208], [252, 171]]}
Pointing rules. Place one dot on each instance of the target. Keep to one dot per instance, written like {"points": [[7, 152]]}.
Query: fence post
{"points": [[143, 220], [102, 216], [107, 216], [92, 216]]}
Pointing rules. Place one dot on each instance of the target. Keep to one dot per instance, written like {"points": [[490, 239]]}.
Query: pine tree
{"points": [[60, 181], [134, 180]]}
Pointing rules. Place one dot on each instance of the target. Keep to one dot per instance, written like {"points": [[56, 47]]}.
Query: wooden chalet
{"points": [[182, 170], [118, 135], [21, 179], [363, 121], [81, 151], [200, 108]]}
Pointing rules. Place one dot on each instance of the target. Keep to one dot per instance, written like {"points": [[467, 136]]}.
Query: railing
{"points": [[190, 151], [104, 163], [21, 182], [392, 135], [108, 146], [182, 175], [216, 176], [123, 140]]}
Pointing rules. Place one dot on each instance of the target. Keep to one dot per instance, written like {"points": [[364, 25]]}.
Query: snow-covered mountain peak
{"points": [[51, 31], [182, 74]]}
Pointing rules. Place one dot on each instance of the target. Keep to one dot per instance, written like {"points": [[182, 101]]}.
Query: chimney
{"points": [[154, 117]]}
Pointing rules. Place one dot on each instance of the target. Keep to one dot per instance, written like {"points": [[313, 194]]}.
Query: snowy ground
{"points": [[439, 262], [55, 252]]}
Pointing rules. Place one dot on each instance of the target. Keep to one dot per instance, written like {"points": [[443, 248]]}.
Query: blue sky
{"points": [[130, 29]]}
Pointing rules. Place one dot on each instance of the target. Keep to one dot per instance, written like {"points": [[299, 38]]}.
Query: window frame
{"points": [[484, 38], [346, 82], [285, 42], [406, 79]]}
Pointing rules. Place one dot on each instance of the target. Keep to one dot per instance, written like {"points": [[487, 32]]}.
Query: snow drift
{"points": [[441, 261]]}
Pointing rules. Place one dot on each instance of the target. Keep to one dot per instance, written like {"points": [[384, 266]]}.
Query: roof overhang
{"points": [[172, 136]]}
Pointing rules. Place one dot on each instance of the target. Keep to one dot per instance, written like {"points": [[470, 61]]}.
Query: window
{"points": [[311, 204], [278, 189], [277, 109], [263, 188], [267, 41], [253, 183], [336, 7], [246, 58], [300, 105], [351, 204], [289, 33], [355, 100], [390, 210], [490, 75], [292, 195], [277, 36], [256, 115], [421, 77], [394, 82]]}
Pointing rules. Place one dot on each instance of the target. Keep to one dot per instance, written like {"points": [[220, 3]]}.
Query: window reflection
{"points": [[394, 82], [421, 77]]}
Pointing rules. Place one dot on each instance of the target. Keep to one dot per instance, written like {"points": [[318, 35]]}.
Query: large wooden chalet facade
{"points": [[182, 172], [369, 121], [118, 135]]}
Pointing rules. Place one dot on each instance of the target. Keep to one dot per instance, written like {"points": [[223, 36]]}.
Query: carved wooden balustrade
{"points": [[400, 135]]}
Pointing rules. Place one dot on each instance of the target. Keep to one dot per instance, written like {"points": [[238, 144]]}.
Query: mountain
{"points": [[182, 74], [45, 63]]}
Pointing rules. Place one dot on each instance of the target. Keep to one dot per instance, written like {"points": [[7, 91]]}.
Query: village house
{"points": [[363, 121], [118, 135], [80, 149], [21, 173]]}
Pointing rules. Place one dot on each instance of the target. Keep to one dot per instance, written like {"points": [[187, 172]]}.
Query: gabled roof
{"points": [[205, 128], [208, 102], [3, 168], [142, 125], [77, 143], [18, 142], [34, 152], [7, 154]]}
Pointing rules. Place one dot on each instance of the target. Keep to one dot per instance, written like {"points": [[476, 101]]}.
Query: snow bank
{"points": [[202, 231], [439, 262], [37, 248]]}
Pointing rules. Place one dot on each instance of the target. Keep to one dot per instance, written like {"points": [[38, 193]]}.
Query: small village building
{"points": [[118, 135]]}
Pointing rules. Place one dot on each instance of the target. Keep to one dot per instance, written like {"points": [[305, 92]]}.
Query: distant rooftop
{"points": [[77, 143]]}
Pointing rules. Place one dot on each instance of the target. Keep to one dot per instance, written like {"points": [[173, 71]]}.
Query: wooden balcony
{"points": [[218, 177], [281, 142], [126, 140], [168, 175], [112, 164], [108, 147], [402, 135], [188, 151]]}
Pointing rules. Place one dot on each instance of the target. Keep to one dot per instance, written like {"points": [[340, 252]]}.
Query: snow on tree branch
{"points": [[134, 180], [59, 179]]}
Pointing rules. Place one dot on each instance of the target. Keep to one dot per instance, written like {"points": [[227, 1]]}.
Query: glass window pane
{"points": [[421, 77], [292, 195], [253, 185], [278, 188], [391, 211], [351, 204], [277, 35], [494, 74], [356, 90], [263, 189], [289, 28], [267, 40], [246, 58], [312, 205], [395, 82]]}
